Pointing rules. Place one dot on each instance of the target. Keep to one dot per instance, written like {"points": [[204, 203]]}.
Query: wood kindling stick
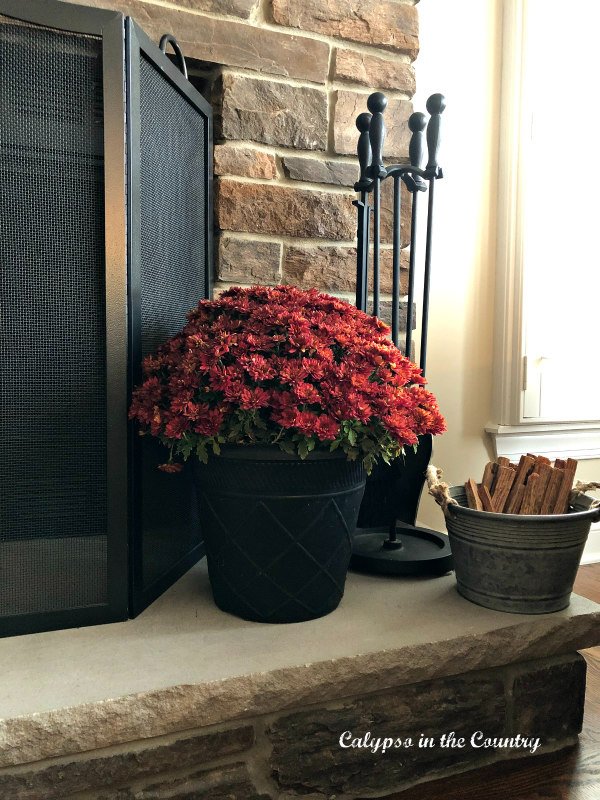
{"points": [[539, 460], [561, 505], [552, 490], [503, 483], [526, 465], [485, 497], [534, 486], [513, 503], [488, 475], [544, 471], [530, 495], [472, 493]]}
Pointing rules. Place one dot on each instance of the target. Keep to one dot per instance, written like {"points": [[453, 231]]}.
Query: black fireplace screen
{"points": [[105, 244], [53, 541], [172, 218], [172, 243]]}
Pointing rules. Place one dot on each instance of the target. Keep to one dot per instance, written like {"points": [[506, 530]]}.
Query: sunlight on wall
{"points": [[562, 267], [460, 57]]}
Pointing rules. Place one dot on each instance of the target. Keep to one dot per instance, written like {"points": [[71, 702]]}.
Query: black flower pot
{"points": [[278, 530]]}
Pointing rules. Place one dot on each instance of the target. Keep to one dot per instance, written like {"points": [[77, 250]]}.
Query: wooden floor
{"points": [[569, 775]]}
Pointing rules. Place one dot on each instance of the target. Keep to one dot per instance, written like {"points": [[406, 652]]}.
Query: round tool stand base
{"points": [[423, 552]]}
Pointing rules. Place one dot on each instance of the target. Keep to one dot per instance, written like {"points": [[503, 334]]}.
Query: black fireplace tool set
{"points": [[387, 540]]}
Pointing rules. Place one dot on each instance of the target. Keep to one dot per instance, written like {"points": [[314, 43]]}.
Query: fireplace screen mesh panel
{"points": [[173, 235], [53, 544], [173, 145]]}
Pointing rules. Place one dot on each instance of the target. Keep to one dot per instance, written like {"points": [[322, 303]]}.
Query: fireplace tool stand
{"points": [[387, 540]]}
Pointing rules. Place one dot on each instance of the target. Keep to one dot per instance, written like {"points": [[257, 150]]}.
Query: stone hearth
{"points": [[187, 702]]}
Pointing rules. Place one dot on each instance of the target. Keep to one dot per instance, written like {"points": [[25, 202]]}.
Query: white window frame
{"points": [[512, 434]]}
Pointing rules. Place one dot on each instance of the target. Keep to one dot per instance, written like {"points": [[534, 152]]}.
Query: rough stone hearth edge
{"points": [[196, 764], [179, 708]]}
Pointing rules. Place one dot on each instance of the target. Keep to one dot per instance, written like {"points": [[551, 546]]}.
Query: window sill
{"points": [[554, 440]]}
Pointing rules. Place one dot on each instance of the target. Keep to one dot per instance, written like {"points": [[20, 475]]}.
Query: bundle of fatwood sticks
{"points": [[533, 486]]}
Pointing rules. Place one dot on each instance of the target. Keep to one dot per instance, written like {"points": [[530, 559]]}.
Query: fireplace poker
{"points": [[363, 185], [414, 184], [435, 106], [377, 171]]}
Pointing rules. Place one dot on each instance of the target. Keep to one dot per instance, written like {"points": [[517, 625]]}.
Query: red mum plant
{"points": [[282, 366]]}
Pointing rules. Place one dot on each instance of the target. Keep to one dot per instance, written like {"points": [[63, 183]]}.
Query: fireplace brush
{"points": [[387, 540]]}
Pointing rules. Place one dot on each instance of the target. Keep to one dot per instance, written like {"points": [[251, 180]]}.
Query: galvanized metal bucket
{"points": [[524, 564]]}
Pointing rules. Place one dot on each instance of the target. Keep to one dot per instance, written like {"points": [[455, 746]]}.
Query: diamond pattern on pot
{"points": [[280, 554]]}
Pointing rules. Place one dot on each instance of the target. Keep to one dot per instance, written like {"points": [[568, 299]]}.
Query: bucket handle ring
{"points": [[438, 489], [581, 488]]}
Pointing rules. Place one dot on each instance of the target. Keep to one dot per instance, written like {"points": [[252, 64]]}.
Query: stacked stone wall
{"points": [[287, 79]]}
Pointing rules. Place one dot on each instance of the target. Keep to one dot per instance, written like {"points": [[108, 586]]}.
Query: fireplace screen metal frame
{"points": [[126, 595], [142, 53], [109, 27]]}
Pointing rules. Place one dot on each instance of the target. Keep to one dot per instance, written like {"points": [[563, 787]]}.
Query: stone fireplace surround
{"points": [[188, 703], [287, 80]]}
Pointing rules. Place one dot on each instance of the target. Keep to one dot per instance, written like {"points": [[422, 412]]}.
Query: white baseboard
{"points": [[591, 554]]}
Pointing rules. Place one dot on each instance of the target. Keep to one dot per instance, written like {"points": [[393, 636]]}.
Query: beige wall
{"points": [[462, 300], [460, 56]]}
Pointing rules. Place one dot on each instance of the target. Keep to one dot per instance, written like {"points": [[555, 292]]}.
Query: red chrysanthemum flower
{"points": [[281, 365], [326, 428]]}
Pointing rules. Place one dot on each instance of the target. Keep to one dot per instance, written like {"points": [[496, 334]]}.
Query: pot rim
{"points": [[271, 452]]}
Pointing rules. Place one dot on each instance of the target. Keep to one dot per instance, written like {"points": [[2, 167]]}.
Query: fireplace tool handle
{"points": [[376, 104], [435, 105], [363, 149], [168, 38], [363, 186], [414, 184]]}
